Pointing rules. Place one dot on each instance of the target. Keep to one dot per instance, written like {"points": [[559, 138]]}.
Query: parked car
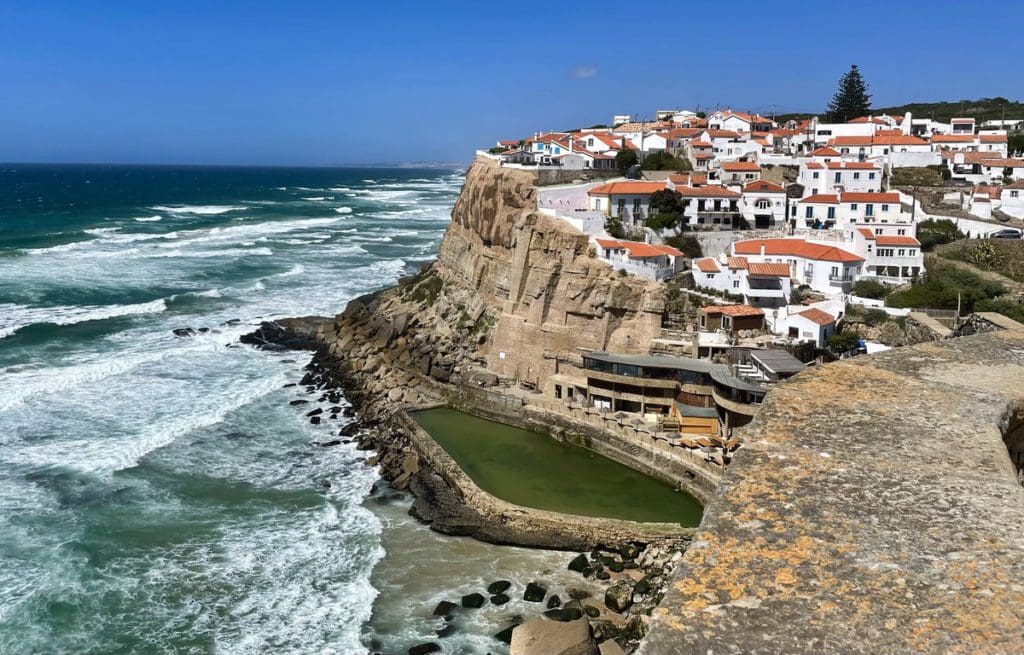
{"points": [[1008, 233]]}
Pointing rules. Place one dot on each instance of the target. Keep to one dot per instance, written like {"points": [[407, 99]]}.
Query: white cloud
{"points": [[583, 72]]}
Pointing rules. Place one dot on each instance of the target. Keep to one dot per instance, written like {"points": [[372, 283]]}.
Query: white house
{"points": [[739, 172], [825, 268], [801, 323], [848, 208], [763, 204], [739, 122], [654, 261], [1012, 199], [818, 178], [892, 254], [630, 201], [760, 284], [709, 206]]}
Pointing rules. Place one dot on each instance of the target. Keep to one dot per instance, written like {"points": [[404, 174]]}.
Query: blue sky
{"points": [[339, 82]]}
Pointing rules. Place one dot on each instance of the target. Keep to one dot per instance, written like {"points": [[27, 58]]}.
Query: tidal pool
{"points": [[533, 470]]}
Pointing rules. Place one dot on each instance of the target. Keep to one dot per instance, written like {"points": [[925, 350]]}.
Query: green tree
{"points": [[933, 233], [688, 245], [851, 99], [665, 161], [625, 160], [844, 341], [870, 289], [1015, 143], [664, 221], [613, 226], [666, 201]]}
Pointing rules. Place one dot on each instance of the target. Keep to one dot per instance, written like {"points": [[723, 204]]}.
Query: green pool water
{"points": [[534, 470]]}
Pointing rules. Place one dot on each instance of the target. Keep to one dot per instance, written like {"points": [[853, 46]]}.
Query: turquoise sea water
{"points": [[159, 494]]}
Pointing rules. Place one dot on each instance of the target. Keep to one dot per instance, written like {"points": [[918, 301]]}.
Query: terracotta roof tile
{"points": [[818, 316], [772, 269], [740, 166], [762, 186], [794, 248], [850, 196], [631, 187], [736, 263], [883, 240], [734, 310], [707, 265]]}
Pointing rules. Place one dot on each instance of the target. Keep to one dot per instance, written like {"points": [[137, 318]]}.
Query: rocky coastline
{"points": [[511, 292]]}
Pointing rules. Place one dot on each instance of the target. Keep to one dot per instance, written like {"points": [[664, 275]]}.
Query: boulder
{"points": [[535, 592], [473, 601], [564, 614], [444, 608], [619, 597], [424, 649], [543, 637], [184, 332], [499, 599], [298, 402], [499, 587], [579, 564], [610, 647], [554, 602], [315, 420]]}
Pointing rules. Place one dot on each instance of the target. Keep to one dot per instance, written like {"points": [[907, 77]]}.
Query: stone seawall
{"points": [[873, 509], [488, 518]]}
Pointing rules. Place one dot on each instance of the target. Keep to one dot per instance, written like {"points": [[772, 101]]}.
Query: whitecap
{"points": [[199, 210], [15, 317], [343, 210], [148, 219], [315, 198]]}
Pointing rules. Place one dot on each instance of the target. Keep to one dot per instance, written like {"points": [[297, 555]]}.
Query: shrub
{"points": [[625, 160], [1005, 306], [688, 245], [613, 226], [934, 233], [942, 285], [843, 341], [875, 316], [870, 289]]}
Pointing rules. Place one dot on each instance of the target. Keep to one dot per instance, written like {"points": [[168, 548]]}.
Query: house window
{"points": [[885, 208], [762, 204], [856, 176], [871, 176], [622, 206], [901, 232], [832, 213], [1014, 194], [853, 206], [835, 271], [869, 210], [735, 284], [597, 204], [810, 213], [815, 176], [838, 178], [558, 391], [903, 252], [636, 205], [878, 231]]}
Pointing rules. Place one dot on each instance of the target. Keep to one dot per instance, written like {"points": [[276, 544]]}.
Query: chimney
{"points": [[762, 248], [907, 121]]}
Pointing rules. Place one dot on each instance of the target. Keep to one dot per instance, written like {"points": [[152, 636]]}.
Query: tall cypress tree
{"points": [[851, 99]]}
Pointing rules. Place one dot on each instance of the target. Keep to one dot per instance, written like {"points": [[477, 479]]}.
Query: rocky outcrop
{"points": [[544, 637]]}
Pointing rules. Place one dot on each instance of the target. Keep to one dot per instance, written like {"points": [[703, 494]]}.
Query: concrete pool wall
{"points": [[490, 518]]}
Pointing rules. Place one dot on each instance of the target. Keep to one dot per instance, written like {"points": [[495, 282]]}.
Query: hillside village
{"points": [[780, 245]]}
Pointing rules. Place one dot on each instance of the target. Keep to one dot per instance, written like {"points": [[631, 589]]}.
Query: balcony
{"points": [[841, 282]]}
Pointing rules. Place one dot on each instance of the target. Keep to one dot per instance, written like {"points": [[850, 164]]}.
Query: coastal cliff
{"points": [[513, 295]]}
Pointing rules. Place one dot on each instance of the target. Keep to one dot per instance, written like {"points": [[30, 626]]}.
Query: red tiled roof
{"points": [[638, 250], [740, 166], [735, 311], [823, 151], [772, 270], [993, 138], [898, 140], [723, 134], [736, 263], [868, 234], [1019, 184], [850, 141], [952, 138], [794, 248], [632, 187], [850, 196], [868, 119], [896, 241], [699, 144], [707, 265], [816, 315], [821, 198], [762, 186], [814, 165]]}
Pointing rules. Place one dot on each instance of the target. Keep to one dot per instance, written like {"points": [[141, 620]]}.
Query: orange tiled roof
{"points": [[762, 186], [852, 165], [823, 151], [993, 138], [818, 316], [868, 234], [794, 248], [821, 198], [851, 196], [773, 270], [896, 241], [952, 138], [707, 265], [631, 187], [736, 263], [740, 166], [638, 250]]}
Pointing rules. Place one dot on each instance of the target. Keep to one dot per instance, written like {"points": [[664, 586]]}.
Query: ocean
{"points": [[160, 494]]}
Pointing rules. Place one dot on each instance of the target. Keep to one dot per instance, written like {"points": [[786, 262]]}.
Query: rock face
{"points": [[544, 637], [874, 509]]}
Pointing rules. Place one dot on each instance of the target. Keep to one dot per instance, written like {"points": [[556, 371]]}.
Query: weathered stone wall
{"points": [[873, 509]]}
